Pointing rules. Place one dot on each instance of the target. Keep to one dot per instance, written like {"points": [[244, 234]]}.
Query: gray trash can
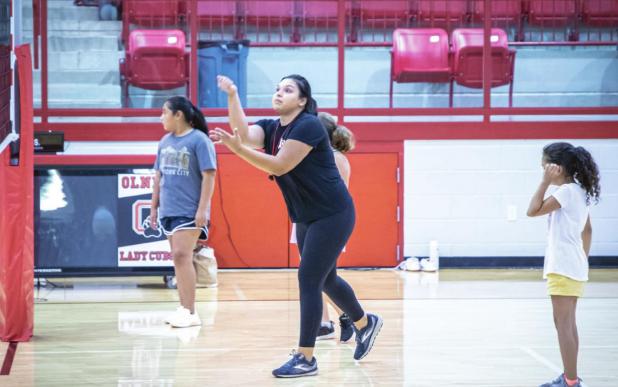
{"points": [[227, 58]]}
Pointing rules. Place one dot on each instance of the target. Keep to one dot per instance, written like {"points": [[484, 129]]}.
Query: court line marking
{"points": [[542, 359], [8, 358], [139, 301], [529, 351], [239, 293]]}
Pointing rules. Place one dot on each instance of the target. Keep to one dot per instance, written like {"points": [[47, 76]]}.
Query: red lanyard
{"points": [[275, 143]]}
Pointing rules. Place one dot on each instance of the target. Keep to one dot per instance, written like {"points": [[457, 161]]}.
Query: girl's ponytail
{"points": [[198, 121], [193, 115], [587, 173], [578, 164], [341, 138]]}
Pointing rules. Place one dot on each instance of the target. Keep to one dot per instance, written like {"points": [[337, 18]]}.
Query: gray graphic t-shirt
{"points": [[181, 161]]}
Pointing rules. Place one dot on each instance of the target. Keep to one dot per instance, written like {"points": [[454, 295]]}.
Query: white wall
{"points": [[457, 192]]}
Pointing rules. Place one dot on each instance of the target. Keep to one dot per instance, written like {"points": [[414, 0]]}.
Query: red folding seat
{"points": [[419, 55], [384, 10], [216, 12], [551, 12], [319, 13], [155, 60], [149, 13], [602, 13], [442, 13], [468, 59], [501, 10], [269, 13]]}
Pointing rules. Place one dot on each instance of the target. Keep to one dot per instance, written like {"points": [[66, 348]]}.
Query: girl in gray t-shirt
{"points": [[184, 183]]}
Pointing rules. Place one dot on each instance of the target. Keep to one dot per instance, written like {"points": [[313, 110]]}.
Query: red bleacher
{"points": [[269, 12], [551, 12], [423, 55], [442, 13], [468, 58], [501, 10], [419, 55], [155, 60], [602, 13], [149, 13], [219, 12]]}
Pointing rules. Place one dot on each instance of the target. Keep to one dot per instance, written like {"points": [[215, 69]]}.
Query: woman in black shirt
{"points": [[298, 156]]}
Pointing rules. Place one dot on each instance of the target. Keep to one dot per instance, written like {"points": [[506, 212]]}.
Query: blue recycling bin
{"points": [[227, 58]]}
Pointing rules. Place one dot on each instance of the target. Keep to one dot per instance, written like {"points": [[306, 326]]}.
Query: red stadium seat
{"points": [[501, 10], [384, 10], [468, 59], [149, 13], [319, 13], [442, 13], [602, 13], [551, 12], [155, 60], [419, 55], [269, 12], [216, 12]]}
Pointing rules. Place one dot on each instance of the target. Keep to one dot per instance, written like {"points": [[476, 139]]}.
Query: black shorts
{"points": [[171, 224]]}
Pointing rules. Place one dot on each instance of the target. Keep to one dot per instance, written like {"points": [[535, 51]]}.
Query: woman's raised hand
{"points": [[226, 85], [232, 141]]}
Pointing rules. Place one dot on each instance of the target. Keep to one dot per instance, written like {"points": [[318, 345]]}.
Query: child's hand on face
{"points": [[552, 172]]}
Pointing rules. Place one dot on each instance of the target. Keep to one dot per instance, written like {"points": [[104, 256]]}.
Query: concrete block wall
{"points": [[460, 193]]}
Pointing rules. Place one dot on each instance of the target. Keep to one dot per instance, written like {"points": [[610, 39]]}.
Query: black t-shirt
{"points": [[313, 189]]}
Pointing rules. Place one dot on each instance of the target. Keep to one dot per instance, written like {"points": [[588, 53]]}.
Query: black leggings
{"points": [[320, 242]]}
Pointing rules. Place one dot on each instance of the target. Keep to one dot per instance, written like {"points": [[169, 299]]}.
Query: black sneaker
{"points": [[326, 331], [366, 336], [297, 366], [347, 328]]}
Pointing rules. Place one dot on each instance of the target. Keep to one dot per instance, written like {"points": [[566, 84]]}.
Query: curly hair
{"points": [[578, 164], [341, 138]]}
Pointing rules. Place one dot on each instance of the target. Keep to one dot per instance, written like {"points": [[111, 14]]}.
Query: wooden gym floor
{"points": [[453, 328]]}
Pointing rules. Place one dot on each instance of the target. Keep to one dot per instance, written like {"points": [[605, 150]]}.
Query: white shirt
{"points": [[565, 249]]}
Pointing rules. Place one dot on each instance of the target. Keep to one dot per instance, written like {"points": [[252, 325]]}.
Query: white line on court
{"points": [[239, 293], [529, 351], [545, 361]]}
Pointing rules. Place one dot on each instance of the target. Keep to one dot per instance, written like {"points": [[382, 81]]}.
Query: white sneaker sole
{"points": [[184, 325], [312, 373], [326, 337]]}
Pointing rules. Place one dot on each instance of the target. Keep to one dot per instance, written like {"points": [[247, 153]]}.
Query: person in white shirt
{"points": [[570, 181]]}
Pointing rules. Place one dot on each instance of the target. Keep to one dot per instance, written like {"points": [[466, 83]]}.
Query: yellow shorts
{"points": [[559, 285]]}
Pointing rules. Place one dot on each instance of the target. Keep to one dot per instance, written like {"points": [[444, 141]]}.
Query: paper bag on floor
{"points": [[205, 264]]}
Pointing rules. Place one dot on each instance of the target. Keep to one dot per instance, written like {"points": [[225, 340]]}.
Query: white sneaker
{"points": [[427, 265], [412, 264], [185, 319], [187, 335], [171, 316]]}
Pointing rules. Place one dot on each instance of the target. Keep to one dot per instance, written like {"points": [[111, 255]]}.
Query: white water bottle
{"points": [[434, 254]]}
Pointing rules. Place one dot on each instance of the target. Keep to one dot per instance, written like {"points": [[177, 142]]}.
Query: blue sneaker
{"points": [[347, 328], [366, 336], [560, 382], [297, 366], [326, 331]]}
